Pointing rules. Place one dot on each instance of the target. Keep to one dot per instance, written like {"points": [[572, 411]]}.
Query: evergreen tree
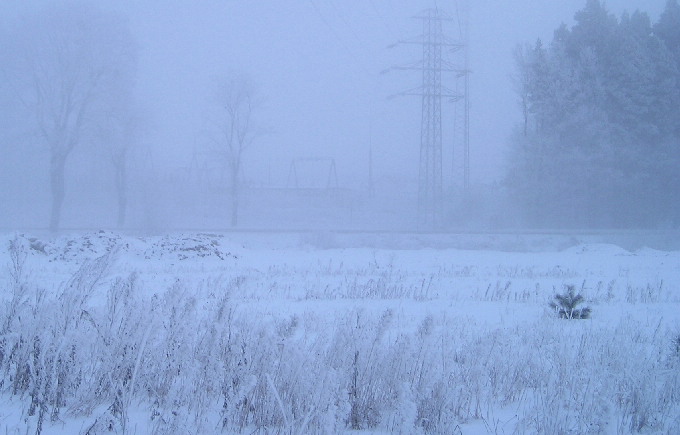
{"points": [[600, 129], [565, 305], [667, 29]]}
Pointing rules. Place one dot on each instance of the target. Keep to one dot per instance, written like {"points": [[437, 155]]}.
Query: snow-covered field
{"points": [[270, 333]]}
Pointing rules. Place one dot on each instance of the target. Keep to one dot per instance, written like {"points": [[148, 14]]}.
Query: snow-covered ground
{"points": [[313, 333]]}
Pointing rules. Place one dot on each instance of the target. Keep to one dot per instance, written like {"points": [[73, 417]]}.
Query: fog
{"points": [[326, 147]]}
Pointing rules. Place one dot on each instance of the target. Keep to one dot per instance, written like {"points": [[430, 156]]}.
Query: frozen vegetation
{"points": [[106, 116], [233, 333]]}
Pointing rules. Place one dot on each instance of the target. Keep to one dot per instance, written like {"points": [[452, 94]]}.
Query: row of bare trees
{"points": [[70, 70]]}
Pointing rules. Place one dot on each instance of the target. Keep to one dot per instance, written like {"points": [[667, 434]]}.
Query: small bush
{"points": [[565, 305], [675, 345]]}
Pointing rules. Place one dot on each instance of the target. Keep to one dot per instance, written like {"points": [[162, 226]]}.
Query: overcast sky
{"points": [[318, 64]]}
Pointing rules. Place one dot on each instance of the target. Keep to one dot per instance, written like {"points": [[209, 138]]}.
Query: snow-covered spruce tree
{"points": [[600, 121], [565, 305]]}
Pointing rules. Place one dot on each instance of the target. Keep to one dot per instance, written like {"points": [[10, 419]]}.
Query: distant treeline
{"points": [[599, 144]]}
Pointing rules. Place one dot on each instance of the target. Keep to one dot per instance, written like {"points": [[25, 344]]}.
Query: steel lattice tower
{"points": [[430, 191], [462, 109], [432, 90]]}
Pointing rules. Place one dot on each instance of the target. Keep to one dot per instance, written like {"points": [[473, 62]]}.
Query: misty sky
{"points": [[318, 64]]}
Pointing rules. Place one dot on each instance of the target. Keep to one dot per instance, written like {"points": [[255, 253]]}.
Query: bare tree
{"points": [[235, 130], [72, 67], [121, 137]]}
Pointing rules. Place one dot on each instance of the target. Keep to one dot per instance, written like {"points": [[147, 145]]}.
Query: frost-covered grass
{"points": [[204, 334]]}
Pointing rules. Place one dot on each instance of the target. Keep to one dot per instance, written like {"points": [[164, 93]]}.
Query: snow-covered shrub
{"points": [[18, 288], [46, 341], [357, 351], [565, 305], [675, 345]]}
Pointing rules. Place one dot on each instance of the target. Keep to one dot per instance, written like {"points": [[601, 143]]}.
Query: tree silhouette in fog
{"points": [[600, 140], [233, 129], [72, 66]]}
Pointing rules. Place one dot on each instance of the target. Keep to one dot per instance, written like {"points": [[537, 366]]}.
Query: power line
{"points": [[339, 38]]}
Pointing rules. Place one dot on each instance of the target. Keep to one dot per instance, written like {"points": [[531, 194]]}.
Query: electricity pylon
{"points": [[431, 91], [462, 109]]}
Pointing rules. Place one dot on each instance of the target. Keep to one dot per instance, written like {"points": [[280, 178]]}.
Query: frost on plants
{"points": [[565, 305], [303, 341]]}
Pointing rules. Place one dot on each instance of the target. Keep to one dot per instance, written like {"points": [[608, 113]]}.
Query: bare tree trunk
{"points": [[236, 133], [234, 202], [121, 188], [57, 167], [122, 208]]}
